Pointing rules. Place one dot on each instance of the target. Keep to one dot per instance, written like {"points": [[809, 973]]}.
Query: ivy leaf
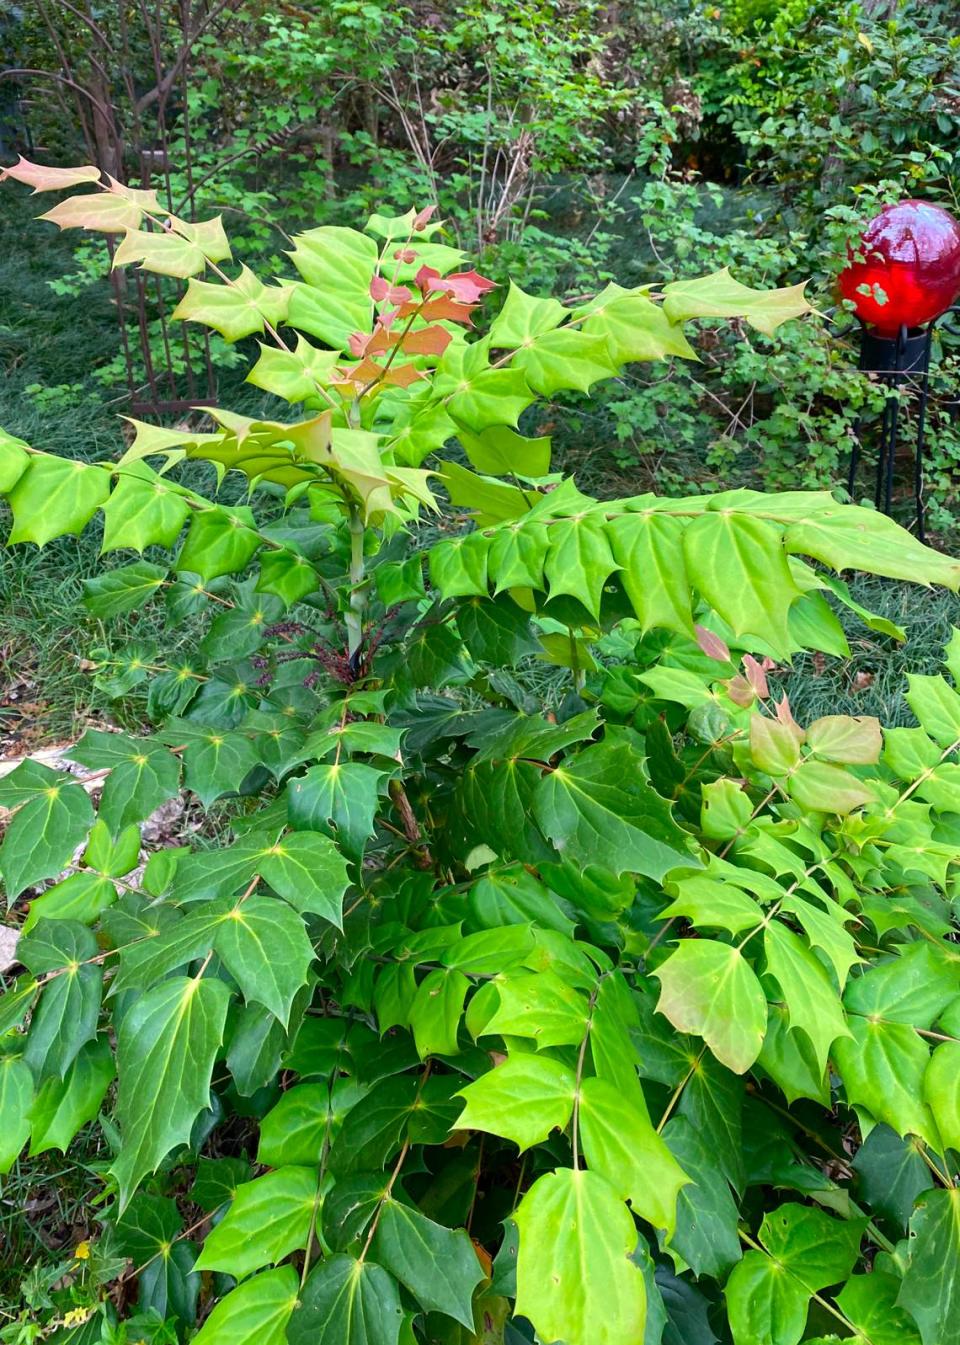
{"points": [[720, 296], [267, 1219], [166, 1045], [61, 1108], [55, 497], [308, 871], [16, 1098], [599, 809], [346, 1300], [813, 1006], [44, 833], [709, 989], [575, 1279], [340, 799], [522, 1100], [66, 1016], [255, 1312], [265, 948], [931, 1290], [620, 1143], [438, 1265]]}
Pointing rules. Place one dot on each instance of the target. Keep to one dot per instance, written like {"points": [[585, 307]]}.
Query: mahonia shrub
{"points": [[625, 1014]]}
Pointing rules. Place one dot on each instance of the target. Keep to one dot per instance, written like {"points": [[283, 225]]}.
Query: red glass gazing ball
{"points": [[909, 254]]}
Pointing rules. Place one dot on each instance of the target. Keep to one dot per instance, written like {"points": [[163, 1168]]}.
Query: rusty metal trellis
{"points": [[169, 369]]}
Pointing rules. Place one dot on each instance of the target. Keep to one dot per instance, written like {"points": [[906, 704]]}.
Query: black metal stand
{"points": [[896, 361]]}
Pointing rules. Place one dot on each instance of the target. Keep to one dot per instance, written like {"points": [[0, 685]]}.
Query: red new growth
{"points": [[380, 289]]}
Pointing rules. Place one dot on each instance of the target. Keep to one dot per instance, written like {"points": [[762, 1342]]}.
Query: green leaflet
{"points": [[648, 547], [937, 706], [719, 295], [167, 1043], [220, 541], [265, 948], [705, 1235], [635, 327], [575, 1278], [255, 1312], [541, 1006], [122, 590], [338, 799], [347, 1302], [40, 840], [267, 1219], [620, 1144], [16, 1098], [710, 989], [337, 265], [60, 1109], [436, 1010], [523, 1100], [768, 1292], [930, 1289], [54, 497], [870, 1302], [66, 1014], [740, 566], [438, 1265], [941, 1091], [813, 1006], [308, 871], [236, 310], [601, 810], [143, 510]]}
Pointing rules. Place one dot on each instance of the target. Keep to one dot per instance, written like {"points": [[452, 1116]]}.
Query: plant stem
{"points": [[358, 596]]}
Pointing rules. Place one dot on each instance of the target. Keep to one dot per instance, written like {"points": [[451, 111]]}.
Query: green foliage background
{"points": [[532, 967]]}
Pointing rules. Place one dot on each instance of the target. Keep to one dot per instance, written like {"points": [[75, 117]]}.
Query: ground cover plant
{"points": [[623, 1012]]}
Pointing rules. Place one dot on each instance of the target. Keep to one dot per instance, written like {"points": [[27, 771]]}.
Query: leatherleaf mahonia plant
{"points": [[542, 979]]}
